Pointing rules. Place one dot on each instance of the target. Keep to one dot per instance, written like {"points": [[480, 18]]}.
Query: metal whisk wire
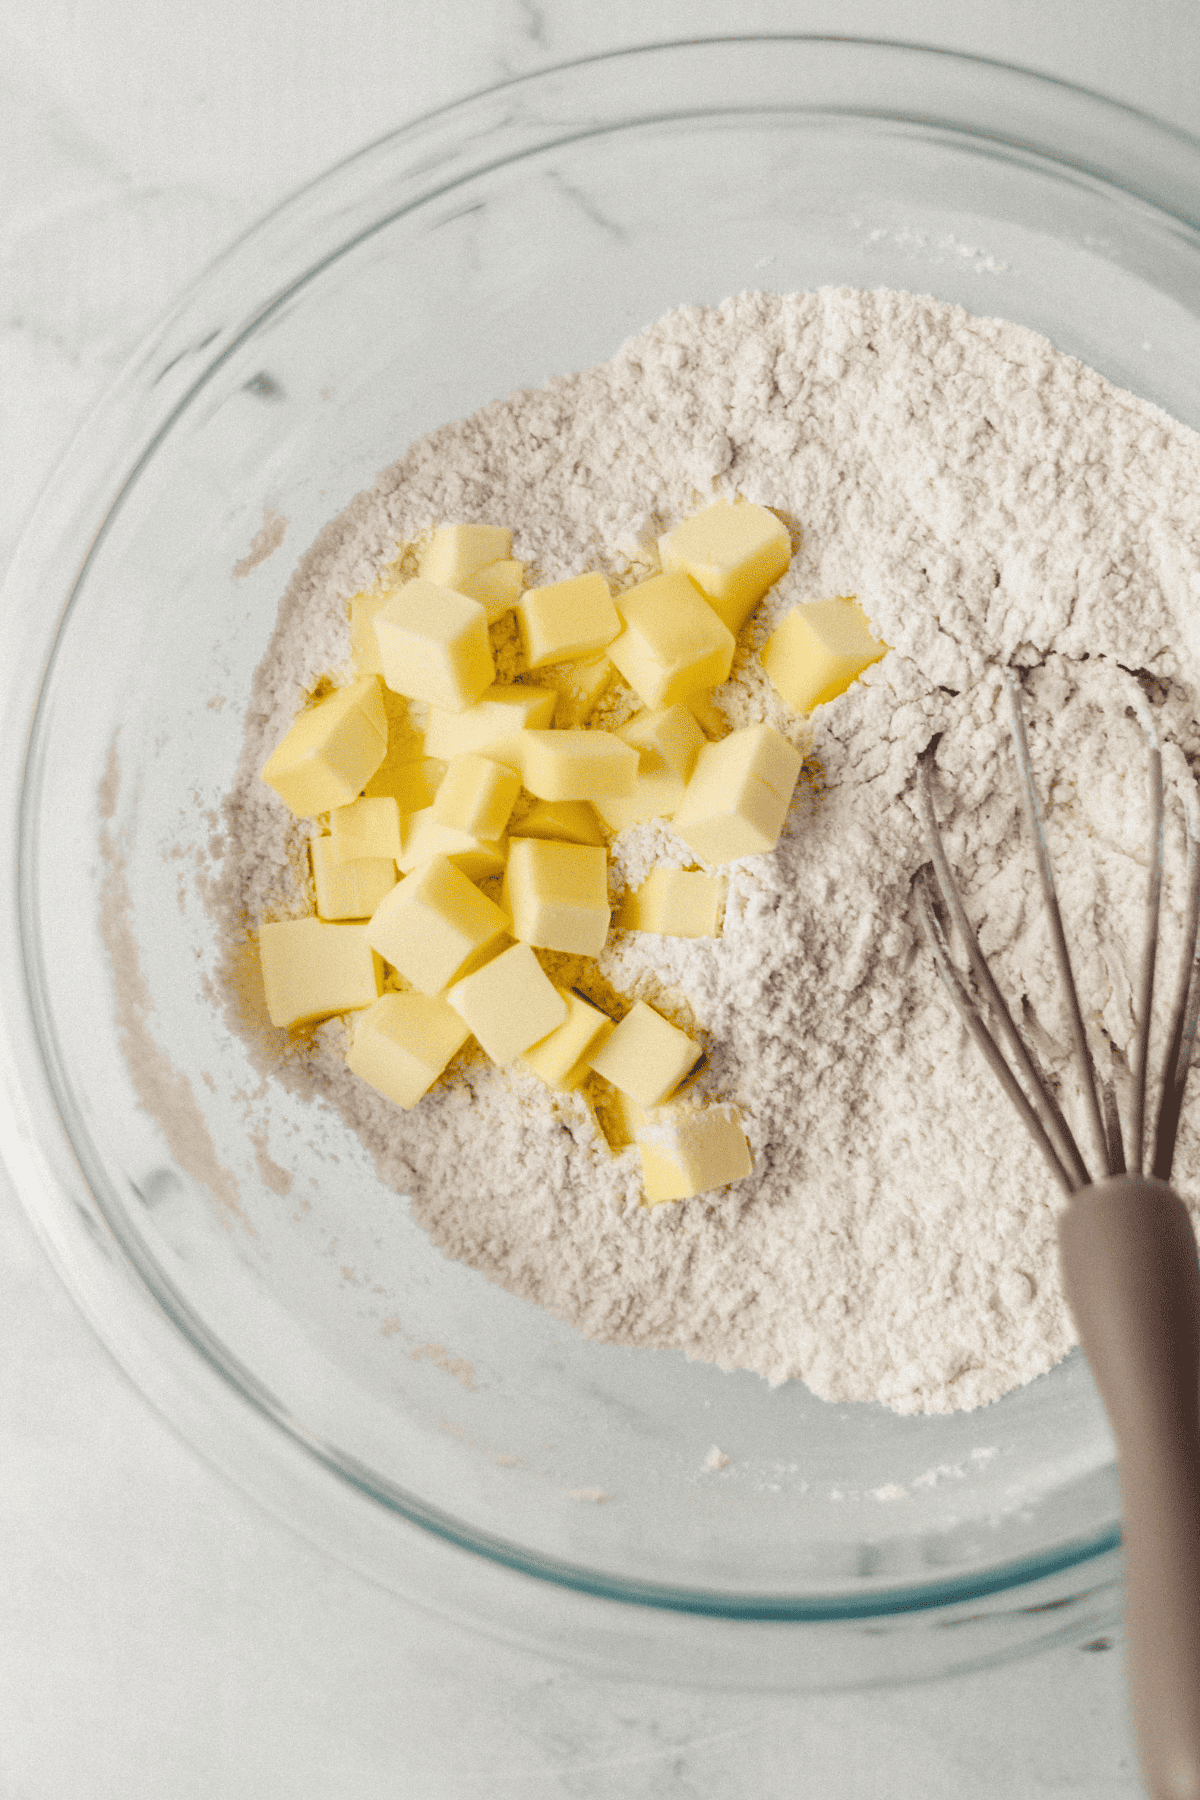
{"points": [[1035, 1103]]}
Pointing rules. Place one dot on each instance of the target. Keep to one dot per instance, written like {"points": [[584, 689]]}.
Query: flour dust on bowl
{"points": [[227, 1233]]}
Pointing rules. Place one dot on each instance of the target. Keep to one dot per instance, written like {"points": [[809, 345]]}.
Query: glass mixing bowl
{"points": [[233, 1246]]}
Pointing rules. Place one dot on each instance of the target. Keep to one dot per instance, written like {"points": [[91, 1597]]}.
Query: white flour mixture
{"points": [[988, 500]]}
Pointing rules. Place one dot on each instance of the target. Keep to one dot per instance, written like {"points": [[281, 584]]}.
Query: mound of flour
{"points": [[989, 501]]}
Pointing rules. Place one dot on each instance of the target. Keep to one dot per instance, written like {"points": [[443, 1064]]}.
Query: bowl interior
{"points": [[524, 234]]}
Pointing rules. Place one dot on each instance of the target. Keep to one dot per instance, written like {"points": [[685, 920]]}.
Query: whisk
{"points": [[1127, 1252]]}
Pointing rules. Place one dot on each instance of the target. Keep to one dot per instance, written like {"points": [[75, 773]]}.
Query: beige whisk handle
{"points": [[1132, 1281]]}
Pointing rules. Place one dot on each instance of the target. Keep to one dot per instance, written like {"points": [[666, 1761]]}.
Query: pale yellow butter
{"points": [[676, 903], [434, 925], [577, 765], [646, 1057], [733, 553], [707, 714], [425, 836], [433, 644], [477, 796], [818, 650], [366, 828], [455, 552], [331, 751], [571, 821], [510, 1003], [493, 725], [348, 890], [567, 619], [364, 646], [496, 587], [673, 642], [668, 741], [737, 799], [311, 970], [405, 748], [561, 1058], [403, 1043], [580, 686], [685, 1153], [557, 895], [413, 786]]}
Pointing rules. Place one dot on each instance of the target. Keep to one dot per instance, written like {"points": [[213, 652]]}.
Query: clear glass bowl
{"points": [[233, 1247]]}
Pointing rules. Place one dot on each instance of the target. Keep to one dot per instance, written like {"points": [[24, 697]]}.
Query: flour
{"points": [[989, 501]]}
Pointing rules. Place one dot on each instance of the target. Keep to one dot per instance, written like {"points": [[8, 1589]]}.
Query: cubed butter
{"points": [[492, 725], [557, 895], [572, 821], [561, 1058], [567, 619], [816, 652], [348, 890], [364, 646], [435, 925], [477, 796], [426, 837], [413, 786], [577, 765], [733, 553], [618, 1117], [581, 686], [646, 1057], [707, 714], [311, 969], [673, 642], [455, 552], [668, 741], [737, 799], [405, 748], [496, 587], [366, 828], [676, 902], [510, 1004], [331, 751], [433, 644], [403, 1042], [688, 1153]]}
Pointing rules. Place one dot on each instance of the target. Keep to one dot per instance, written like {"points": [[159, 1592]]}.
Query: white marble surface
{"points": [[159, 1636]]}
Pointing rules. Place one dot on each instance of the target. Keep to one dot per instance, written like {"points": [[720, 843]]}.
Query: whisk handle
{"points": [[1132, 1281]]}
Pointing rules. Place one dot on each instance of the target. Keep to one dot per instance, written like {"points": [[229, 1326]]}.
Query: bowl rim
{"points": [[1142, 159]]}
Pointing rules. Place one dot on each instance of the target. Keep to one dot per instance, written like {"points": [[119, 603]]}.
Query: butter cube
{"points": [[364, 646], [737, 800], [496, 587], [707, 714], [402, 1044], [489, 728], [405, 748], [457, 551], [733, 553], [571, 821], [510, 1004], [561, 1058], [818, 650], [676, 902], [580, 685], [577, 765], [557, 895], [426, 837], [348, 890], [618, 1117], [413, 786], [433, 644], [566, 619], [646, 1057], [673, 642], [366, 828], [435, 925], [688, 1153], [477, 796], [332, 750], [311, 970], [668, 741]]}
